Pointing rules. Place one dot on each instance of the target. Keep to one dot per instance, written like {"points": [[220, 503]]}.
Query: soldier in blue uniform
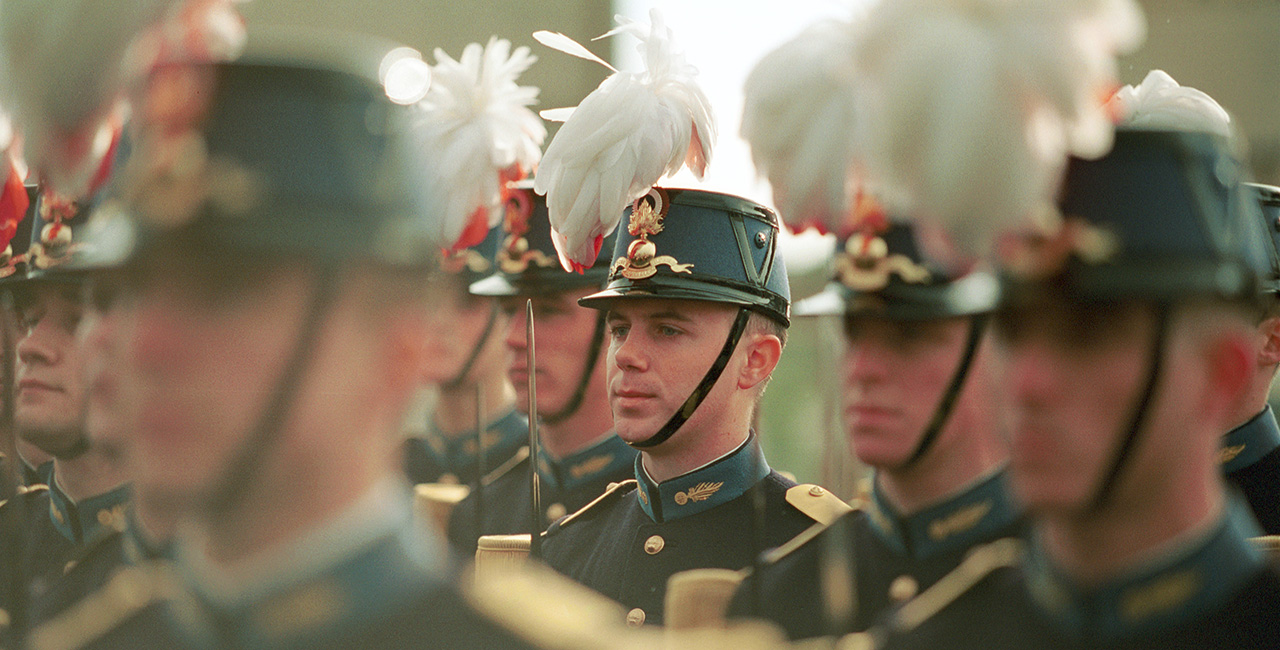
{"points": [[275, 262], [921, 408], [697, 306], [1127, 334], [581, 454], [82, 493], [1251, 451], [468, 356]]}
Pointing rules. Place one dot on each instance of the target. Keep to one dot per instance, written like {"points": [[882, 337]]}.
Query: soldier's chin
{"points": [[635, 430]]}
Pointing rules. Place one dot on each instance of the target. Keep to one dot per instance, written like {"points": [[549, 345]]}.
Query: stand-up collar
{"points": [[973, 515], [502, 438], [702, 489], [1249, 442], [87, 518], [1198, 578], [387, 561], [605, 457]]}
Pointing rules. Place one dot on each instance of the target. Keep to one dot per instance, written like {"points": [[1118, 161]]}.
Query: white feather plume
{"points": [[625, 136], [800, 119], [971, 106], [475, 126], [1160, 103]]}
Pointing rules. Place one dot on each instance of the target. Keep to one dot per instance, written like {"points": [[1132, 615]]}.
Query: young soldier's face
{"points": [[659, 351], [563, 332], [894, 375], [106, 383], [1074, 374], [50, 404], [458, 321]]}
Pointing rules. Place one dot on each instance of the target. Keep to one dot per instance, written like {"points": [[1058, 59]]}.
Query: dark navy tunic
{"points": [[627, 545], [1250, 457], [436, 458], [868, 553], [565, 485], [1216, 593]]}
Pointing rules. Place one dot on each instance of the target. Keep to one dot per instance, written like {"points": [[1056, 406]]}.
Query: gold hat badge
{"points": [[1040, 255], [515, 255], [865, 264], [642, 260], [55, 245]]}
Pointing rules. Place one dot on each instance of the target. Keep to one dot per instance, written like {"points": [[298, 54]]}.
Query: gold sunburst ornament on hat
{"points": [[642, 260]]}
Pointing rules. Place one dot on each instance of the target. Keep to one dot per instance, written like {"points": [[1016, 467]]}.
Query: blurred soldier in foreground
{"points": [[1127, 332], [920, 407], [1251, 452], [82, 495], [581, 453], [274, 297]]}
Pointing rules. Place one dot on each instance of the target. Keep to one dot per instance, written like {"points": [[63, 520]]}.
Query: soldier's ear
{"points": [[1232, 363], [762, 353], [1269, 350]]}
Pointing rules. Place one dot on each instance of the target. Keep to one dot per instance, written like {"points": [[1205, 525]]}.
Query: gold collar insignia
{"points": [[590, 466], [958, 521], [699, 492], [1228, 454]]}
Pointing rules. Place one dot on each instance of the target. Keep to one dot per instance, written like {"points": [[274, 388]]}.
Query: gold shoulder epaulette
{"points": [[981, 562], [817, 502], [25, 489], [614, 489], [1270, 546], [435, 501], [128, 591], [502, 470]]}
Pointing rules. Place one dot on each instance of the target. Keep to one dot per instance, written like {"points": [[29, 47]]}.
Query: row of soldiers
{"points": [[236, 326]]}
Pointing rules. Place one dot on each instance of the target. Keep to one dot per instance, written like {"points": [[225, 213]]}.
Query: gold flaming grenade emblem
{"points": [[866, 264], [642, 260], [1043, 255], [516, 256]]}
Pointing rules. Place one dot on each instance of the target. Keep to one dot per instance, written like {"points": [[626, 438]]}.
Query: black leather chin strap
{"points": [[228, 492], [584, 378], [942, 413], [686, 410], [1138, 416], [460, 377]]}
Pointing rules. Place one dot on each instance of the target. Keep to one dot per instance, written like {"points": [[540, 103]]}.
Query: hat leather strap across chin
{"points": [[227, 493], [1138, 417], [947, 403], [460, 377], [709, 380], [584, 378]]}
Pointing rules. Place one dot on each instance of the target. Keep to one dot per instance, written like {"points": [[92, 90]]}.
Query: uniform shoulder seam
{"points": [[981, 562], [509, 464], [614, 490]]}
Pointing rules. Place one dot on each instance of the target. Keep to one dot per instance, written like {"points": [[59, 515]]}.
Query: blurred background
{"points": [[1227, 48]]}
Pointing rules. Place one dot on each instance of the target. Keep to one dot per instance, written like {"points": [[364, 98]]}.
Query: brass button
{"points": [[903, 588], [635, 617], [652, 546], [556, 511], [816, 491]]}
